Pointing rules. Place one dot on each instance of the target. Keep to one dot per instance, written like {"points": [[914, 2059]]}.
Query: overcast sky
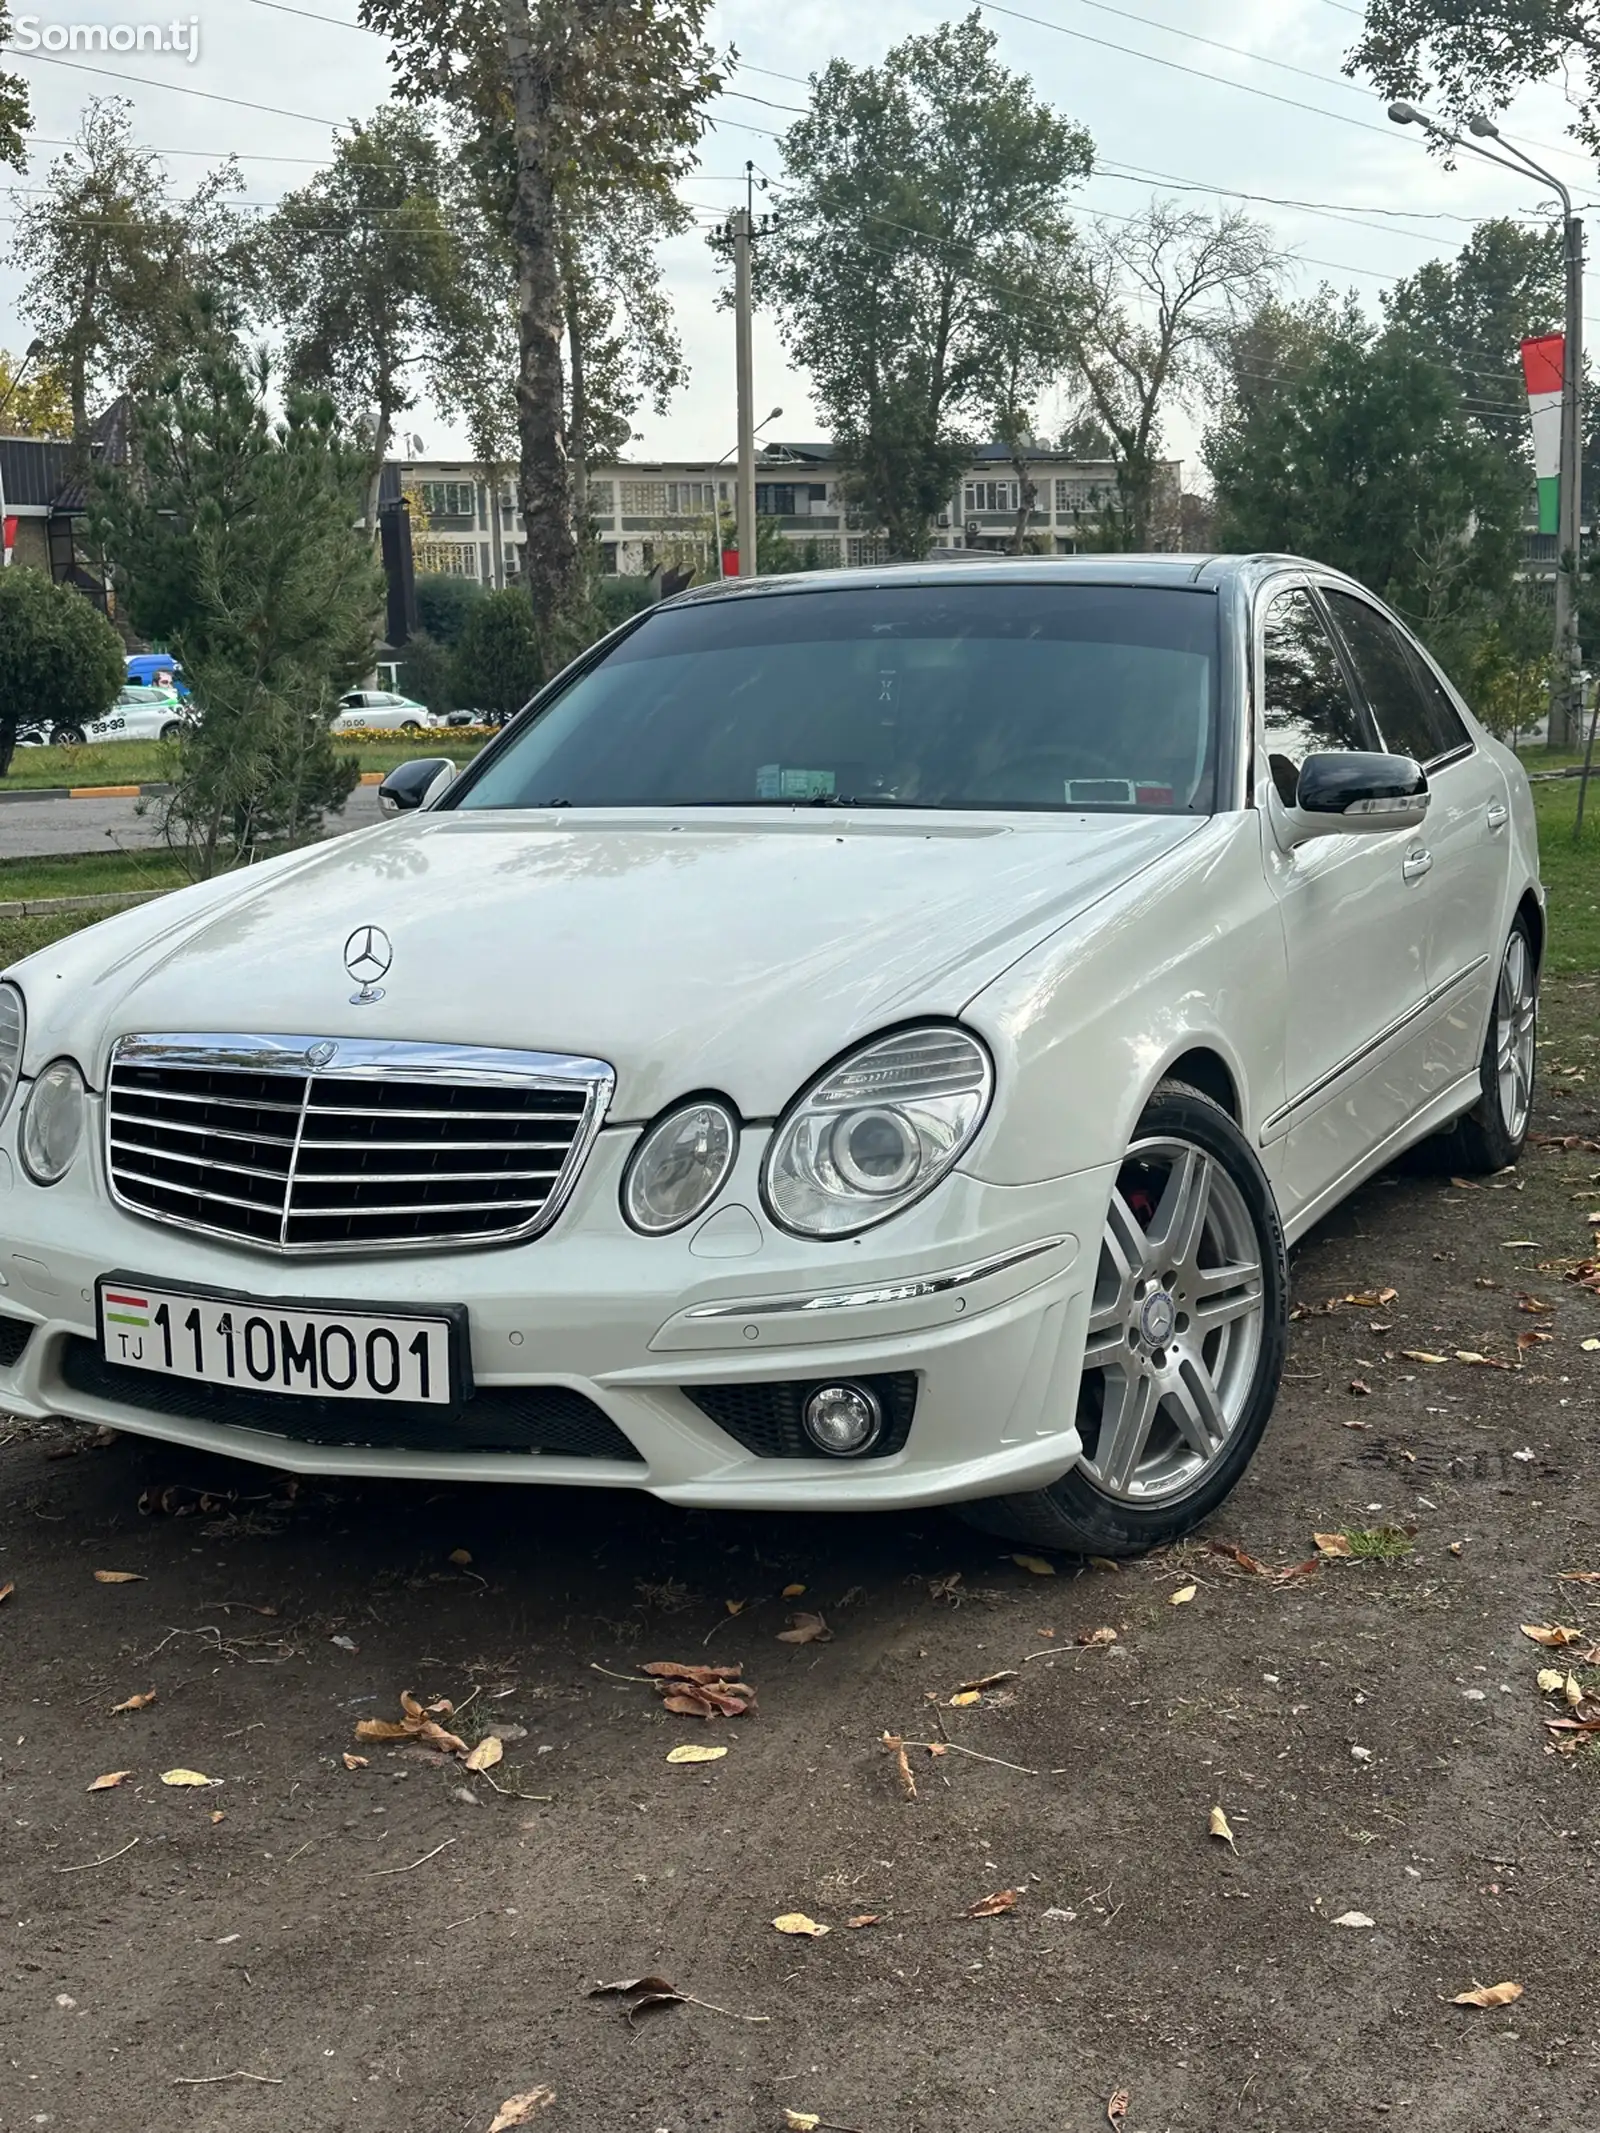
{"points": [[1164, 110]]}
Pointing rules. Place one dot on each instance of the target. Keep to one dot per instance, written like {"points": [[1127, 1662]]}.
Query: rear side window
{"points": [[1414, 715], [1306, 702]]}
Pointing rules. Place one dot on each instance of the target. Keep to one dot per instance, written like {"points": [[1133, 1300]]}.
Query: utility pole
{"points": [[743, 232], [1566, 705]]}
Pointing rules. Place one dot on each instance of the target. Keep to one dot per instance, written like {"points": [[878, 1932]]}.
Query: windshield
{"points": [[1040, 696]]}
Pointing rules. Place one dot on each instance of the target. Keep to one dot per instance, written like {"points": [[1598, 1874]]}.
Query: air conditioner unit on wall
{"points": [[943, 519]]}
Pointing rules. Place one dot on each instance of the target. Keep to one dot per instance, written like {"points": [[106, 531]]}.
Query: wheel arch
{"points": [[1531, 911], [1205, 1069]]}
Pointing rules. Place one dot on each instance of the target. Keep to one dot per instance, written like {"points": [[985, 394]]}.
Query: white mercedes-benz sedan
{"points": [[855, 1041]]}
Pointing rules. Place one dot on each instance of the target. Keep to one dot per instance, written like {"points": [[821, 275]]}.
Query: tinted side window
{"points": [[1443, 715], [1306, 702], [1413, 720]]}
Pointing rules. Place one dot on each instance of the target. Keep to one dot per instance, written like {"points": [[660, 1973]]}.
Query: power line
{"points": [[146, 81]]}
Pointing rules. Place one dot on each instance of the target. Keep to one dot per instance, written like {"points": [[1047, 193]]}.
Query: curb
{"points": [[43, 906], [80, 792]]}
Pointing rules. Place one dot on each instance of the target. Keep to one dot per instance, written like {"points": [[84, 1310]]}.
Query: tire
{"points": [[172, 731], [1203, 1400], [1494, 1132], [409, 725], [67, 737]]}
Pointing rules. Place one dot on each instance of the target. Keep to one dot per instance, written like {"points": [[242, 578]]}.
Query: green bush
{"points": [[445, 606], [60, 660], [427, 672], [499, 662]]}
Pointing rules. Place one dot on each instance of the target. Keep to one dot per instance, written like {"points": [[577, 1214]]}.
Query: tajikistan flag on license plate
{"points": [[124, 1310]]}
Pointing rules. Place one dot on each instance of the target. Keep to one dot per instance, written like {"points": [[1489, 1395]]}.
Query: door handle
{"points": [[1416, 864], [1498, 815]]}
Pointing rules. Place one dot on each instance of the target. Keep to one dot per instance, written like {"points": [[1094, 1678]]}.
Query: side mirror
{"points": [[1357, 793], [415, 783]]}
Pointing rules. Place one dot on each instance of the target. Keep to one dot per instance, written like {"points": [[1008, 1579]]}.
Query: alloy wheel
{"points": [[1516, 1020], [1175, 1327]]}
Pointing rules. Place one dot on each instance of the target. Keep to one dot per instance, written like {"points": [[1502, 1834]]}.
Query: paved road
{"points": [[37, 829]]}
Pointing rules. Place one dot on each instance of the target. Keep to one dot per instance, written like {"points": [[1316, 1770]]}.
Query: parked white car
{"points": [[380, 711], [857, 1040]]}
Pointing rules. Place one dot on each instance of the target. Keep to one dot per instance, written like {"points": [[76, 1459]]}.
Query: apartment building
{"points": [[678, 513]]}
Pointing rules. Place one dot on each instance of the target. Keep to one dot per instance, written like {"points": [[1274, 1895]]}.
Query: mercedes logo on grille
{"points": [[367, 956]]}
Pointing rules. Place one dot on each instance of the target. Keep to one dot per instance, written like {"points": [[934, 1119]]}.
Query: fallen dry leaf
{"points": [[1533, 1339], [187, 1777], [801, 2121], [1535, 1306], [695, 1752], [112, 1777], [1488, 1996], [1551, 1634], [864, 1918], [487, 1753], [1095, 1636], [461, 1555], [354, 1762], [1360, 1388], [1455, 1547], [119, 1577], [962, 1697], [1422, 1355], [798, 1923], [993, 1906], [1332, 1545], [1371, 1299], [1219, 1828], [1572, 1692], [1036, 1564], [992, 1681], [1354, 1918], [1579, 1577], [1236, 1554], [710, 1699], [383, 1729], [736, 1607], [6, 1591], [1550, 1679], [897, 1748], [217, 1815], [672, 1670], [806, 1629], [644, 1995], [792, 1592], [135, 1703], [1183, 1596], [1117, 2107], [518, 2110]]}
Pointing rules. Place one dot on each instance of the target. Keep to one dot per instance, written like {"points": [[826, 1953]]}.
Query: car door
{"points": [[1465, 840], [1357, 980]]}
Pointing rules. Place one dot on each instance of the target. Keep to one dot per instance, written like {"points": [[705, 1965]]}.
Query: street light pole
{"points": [[1569, 538], [745, 488]]}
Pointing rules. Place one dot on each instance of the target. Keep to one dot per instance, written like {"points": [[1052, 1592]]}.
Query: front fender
{"points": [[1189, 955]]}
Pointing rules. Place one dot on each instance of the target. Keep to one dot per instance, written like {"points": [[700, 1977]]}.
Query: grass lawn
{"points": [[1571, 871], [88, 874], [154, 762]]}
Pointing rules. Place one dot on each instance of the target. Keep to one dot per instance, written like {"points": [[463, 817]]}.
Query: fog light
{"points": [[842, 1420]]}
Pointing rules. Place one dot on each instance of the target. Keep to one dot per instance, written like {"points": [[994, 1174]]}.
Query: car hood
{"points": [[736, 951]]}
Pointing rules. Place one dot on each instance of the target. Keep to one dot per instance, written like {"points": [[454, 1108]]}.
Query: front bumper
{"points": [[981, 1291]]}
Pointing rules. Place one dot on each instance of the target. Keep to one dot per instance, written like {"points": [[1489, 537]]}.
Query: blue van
{"points": [[154, 670]]}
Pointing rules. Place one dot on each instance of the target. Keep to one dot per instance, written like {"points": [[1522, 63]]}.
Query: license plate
{"points": [[325, 1352]]}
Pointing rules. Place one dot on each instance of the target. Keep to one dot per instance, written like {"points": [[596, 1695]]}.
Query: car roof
{"points": [[1207, 572]]}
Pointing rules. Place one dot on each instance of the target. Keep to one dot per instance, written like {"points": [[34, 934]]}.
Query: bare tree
{"points": [[1157, 294]]}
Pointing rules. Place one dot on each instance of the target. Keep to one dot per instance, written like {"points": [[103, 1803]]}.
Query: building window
{"points": [[994, 496], [446, 559], [867, 550], [602, 499], [1080, 494], [644, 499], [790, 499], [450, 499], [689, 498]]}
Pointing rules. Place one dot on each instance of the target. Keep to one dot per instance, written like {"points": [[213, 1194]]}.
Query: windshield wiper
{"points": [[865, 799]]}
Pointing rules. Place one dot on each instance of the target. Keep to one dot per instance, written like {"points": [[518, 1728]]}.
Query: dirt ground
{"points": [[402, 1945]]}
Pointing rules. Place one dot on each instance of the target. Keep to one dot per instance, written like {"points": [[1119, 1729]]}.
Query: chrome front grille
{"points": [[304, 1144]]}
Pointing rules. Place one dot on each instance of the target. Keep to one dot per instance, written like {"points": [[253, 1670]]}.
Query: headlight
{"points": [[52, 1123], [877, 1131], [679, 1167], [13, 1029]]}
